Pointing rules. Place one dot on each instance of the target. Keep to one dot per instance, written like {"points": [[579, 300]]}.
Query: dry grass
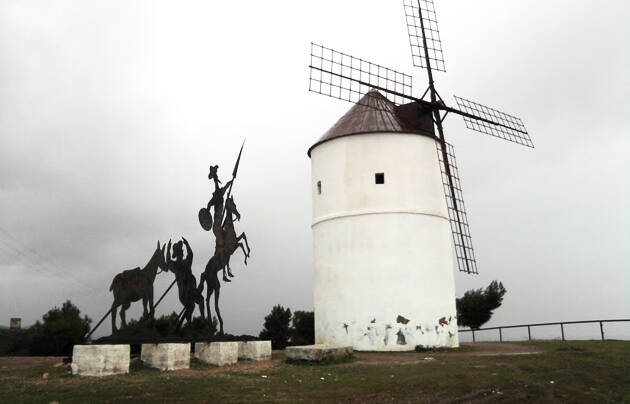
{"points": [[586, 371]]}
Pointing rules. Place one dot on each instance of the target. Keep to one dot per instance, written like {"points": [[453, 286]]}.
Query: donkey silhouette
{"points": [[134, 284]]}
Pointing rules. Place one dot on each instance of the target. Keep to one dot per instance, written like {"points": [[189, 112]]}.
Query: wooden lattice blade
{"points": [[348, 78], [422, 26], [462, 241], [492, 122]]}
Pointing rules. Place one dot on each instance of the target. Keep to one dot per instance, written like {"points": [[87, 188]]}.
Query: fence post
{"points": [[473, 332], [529, 333], [500, 335], [562, 330], [601, 328]]}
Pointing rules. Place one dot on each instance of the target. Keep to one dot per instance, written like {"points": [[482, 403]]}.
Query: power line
{"points": [[46, 265]]}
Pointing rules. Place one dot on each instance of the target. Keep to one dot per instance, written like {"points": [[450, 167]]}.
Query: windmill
{"points": [[385, 103], [342, 76]]}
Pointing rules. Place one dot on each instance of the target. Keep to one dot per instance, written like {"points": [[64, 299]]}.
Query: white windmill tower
{"points": [[386, 199]]}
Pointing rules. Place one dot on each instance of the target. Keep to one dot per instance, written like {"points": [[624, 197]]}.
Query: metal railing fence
{"points": [[529, 327]]}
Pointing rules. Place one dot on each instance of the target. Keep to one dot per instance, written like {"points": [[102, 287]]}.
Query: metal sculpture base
{"points": [[254, 350], [171, 356], [100, 360], [217, 353]]}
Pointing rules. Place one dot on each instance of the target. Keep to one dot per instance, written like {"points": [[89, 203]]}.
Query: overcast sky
{"points": [[111, 113]]}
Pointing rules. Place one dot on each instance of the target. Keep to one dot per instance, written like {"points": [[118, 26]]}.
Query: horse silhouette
{"points": [[221, 258], [233, 242], [134, 284]]}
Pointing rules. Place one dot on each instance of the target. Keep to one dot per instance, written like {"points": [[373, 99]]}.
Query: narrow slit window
{"points": [[319, 187], [379, 178]]}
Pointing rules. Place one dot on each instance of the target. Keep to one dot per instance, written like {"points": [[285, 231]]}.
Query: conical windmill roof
{"points": [[376, 114]]}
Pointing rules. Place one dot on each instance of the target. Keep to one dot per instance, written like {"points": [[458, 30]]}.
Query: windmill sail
{"points": [[464, 252], [493, 122], [348, 78], [422, 28]]}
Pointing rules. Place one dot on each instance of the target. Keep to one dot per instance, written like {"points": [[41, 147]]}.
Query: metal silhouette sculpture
{"points": [[189, 294], [136, 284], [218, 206], [226, 241]]}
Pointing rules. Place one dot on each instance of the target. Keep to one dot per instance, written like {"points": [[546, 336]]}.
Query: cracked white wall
{"points": [[382, 252]]}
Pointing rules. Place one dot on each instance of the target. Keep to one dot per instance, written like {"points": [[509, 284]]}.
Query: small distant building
{"points": [[16, 323]]}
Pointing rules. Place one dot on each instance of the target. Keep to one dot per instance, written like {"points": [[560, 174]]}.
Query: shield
{"points": [[205, 219]]}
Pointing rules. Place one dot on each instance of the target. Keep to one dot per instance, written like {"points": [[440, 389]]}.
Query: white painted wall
{"points": [[381, 251]]}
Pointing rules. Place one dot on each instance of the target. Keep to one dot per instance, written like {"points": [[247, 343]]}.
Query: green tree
{"points": [[277, 327], [60, 329], [477, 306], [303, 331]]}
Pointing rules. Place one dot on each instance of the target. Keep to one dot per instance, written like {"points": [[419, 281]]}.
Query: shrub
{"points": [[477, 306], [303, 332], [277, 327], [60, 329]]}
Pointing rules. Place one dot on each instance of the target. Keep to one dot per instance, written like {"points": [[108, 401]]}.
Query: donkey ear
{"points": [[158, 245]]}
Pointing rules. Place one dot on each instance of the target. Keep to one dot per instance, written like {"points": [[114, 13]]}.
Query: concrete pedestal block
{"points": [[254, 350], [100, 360], [166, 356], [217, 353], [317, 352]]}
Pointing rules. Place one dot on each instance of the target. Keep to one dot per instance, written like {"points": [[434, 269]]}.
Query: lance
{"points": [[238, 160], [99, 323]]}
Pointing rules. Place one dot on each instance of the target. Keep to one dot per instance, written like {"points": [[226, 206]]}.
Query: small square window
{"points": [[319, 187], [379, 178]]}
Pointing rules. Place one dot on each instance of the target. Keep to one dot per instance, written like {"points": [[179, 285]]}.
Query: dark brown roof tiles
{"points": [[375, 113]]}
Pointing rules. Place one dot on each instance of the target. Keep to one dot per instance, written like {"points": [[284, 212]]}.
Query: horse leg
{"points": [[217, 288], [225, 278], [229, 270], [244, 238], [244, 252], [207, 279]]}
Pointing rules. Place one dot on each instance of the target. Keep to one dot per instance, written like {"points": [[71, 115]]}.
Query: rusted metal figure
{"points": [[227, 242], [189, 294], [135, 284], [221, 259], [216, 203]]}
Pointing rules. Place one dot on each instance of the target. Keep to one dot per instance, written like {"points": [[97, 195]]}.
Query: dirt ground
{"points": [[466, 349], [25, 362]]}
